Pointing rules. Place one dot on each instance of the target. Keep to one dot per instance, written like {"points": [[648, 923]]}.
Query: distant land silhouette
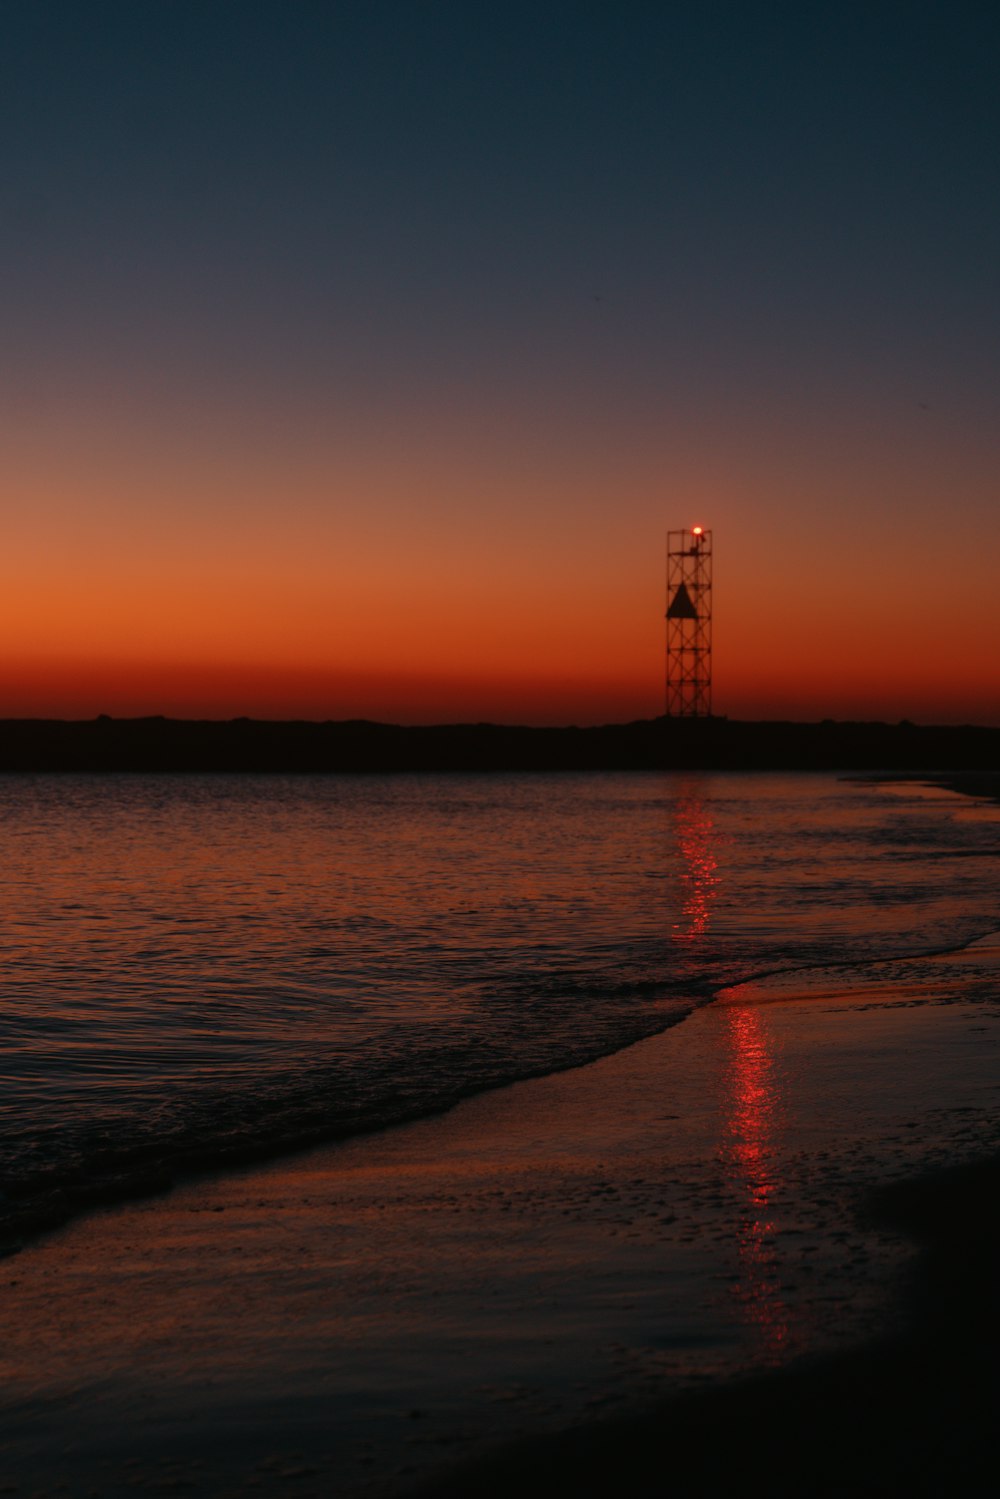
{"points": [[357, 746]]}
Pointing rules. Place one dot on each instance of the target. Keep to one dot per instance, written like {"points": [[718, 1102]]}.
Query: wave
{"points": [[54, 1174]]}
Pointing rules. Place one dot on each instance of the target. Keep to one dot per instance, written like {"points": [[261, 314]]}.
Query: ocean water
{"points": [[203, 969]]}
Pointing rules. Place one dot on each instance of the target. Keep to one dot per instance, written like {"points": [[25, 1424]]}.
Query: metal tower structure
{"points": [[689, 623]]}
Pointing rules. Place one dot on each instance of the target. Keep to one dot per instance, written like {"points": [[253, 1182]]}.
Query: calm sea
{"points": [[198, 970]]}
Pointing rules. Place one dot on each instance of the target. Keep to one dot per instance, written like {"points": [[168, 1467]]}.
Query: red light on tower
{"points": [[696, 531]]}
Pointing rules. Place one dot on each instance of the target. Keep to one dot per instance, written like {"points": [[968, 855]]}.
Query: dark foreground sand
{"points": [[914, 1413], [547, 1288]]}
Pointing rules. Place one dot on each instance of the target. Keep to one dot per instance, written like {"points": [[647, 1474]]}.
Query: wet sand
{"points": [[910, 1413], [545, 1264]]}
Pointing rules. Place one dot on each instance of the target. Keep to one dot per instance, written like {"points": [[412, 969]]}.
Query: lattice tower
{"points": [[689, 623]]}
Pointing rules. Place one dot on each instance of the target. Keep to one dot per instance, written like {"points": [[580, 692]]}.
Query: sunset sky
{"points": [[356, 357]]}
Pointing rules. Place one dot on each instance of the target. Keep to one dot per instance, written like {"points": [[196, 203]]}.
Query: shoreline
{"points": [[580, 1279], [33, 1211], [481, 1287], [156, 1176], [910, 1408]]}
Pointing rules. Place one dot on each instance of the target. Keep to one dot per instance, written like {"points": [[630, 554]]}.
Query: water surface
{"points": [[197, 968]]}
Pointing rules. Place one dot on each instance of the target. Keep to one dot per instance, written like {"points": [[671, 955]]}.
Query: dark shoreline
{"points": [[258, 746], [911, 1414]]}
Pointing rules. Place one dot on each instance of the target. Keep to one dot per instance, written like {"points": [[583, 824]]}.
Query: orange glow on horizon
{"points": [[469, 687], [220, 690], [324, 587]]}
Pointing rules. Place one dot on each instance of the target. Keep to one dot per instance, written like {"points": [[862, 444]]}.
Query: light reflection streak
{"points": [[754, 1105], [751, 1093], [694, 831]]}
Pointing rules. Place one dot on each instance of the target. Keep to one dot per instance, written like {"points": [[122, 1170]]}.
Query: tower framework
{"points": [[689, 623]]}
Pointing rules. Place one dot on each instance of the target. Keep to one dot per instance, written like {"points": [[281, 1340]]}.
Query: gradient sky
{"points": [[355, 358]]}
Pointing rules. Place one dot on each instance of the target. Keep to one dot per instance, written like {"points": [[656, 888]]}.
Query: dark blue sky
{"points": [[781, 167]]}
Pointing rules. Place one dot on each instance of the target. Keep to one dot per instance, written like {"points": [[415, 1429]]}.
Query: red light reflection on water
{"points": [[751, 1097], [694, 830], [754, 1106]]}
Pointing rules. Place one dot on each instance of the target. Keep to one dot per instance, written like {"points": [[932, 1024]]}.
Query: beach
{"points": [[499, 751], [555, 1278], [912, 1412]]}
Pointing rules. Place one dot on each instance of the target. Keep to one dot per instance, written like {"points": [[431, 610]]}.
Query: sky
{"points": [[355, 358]]}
